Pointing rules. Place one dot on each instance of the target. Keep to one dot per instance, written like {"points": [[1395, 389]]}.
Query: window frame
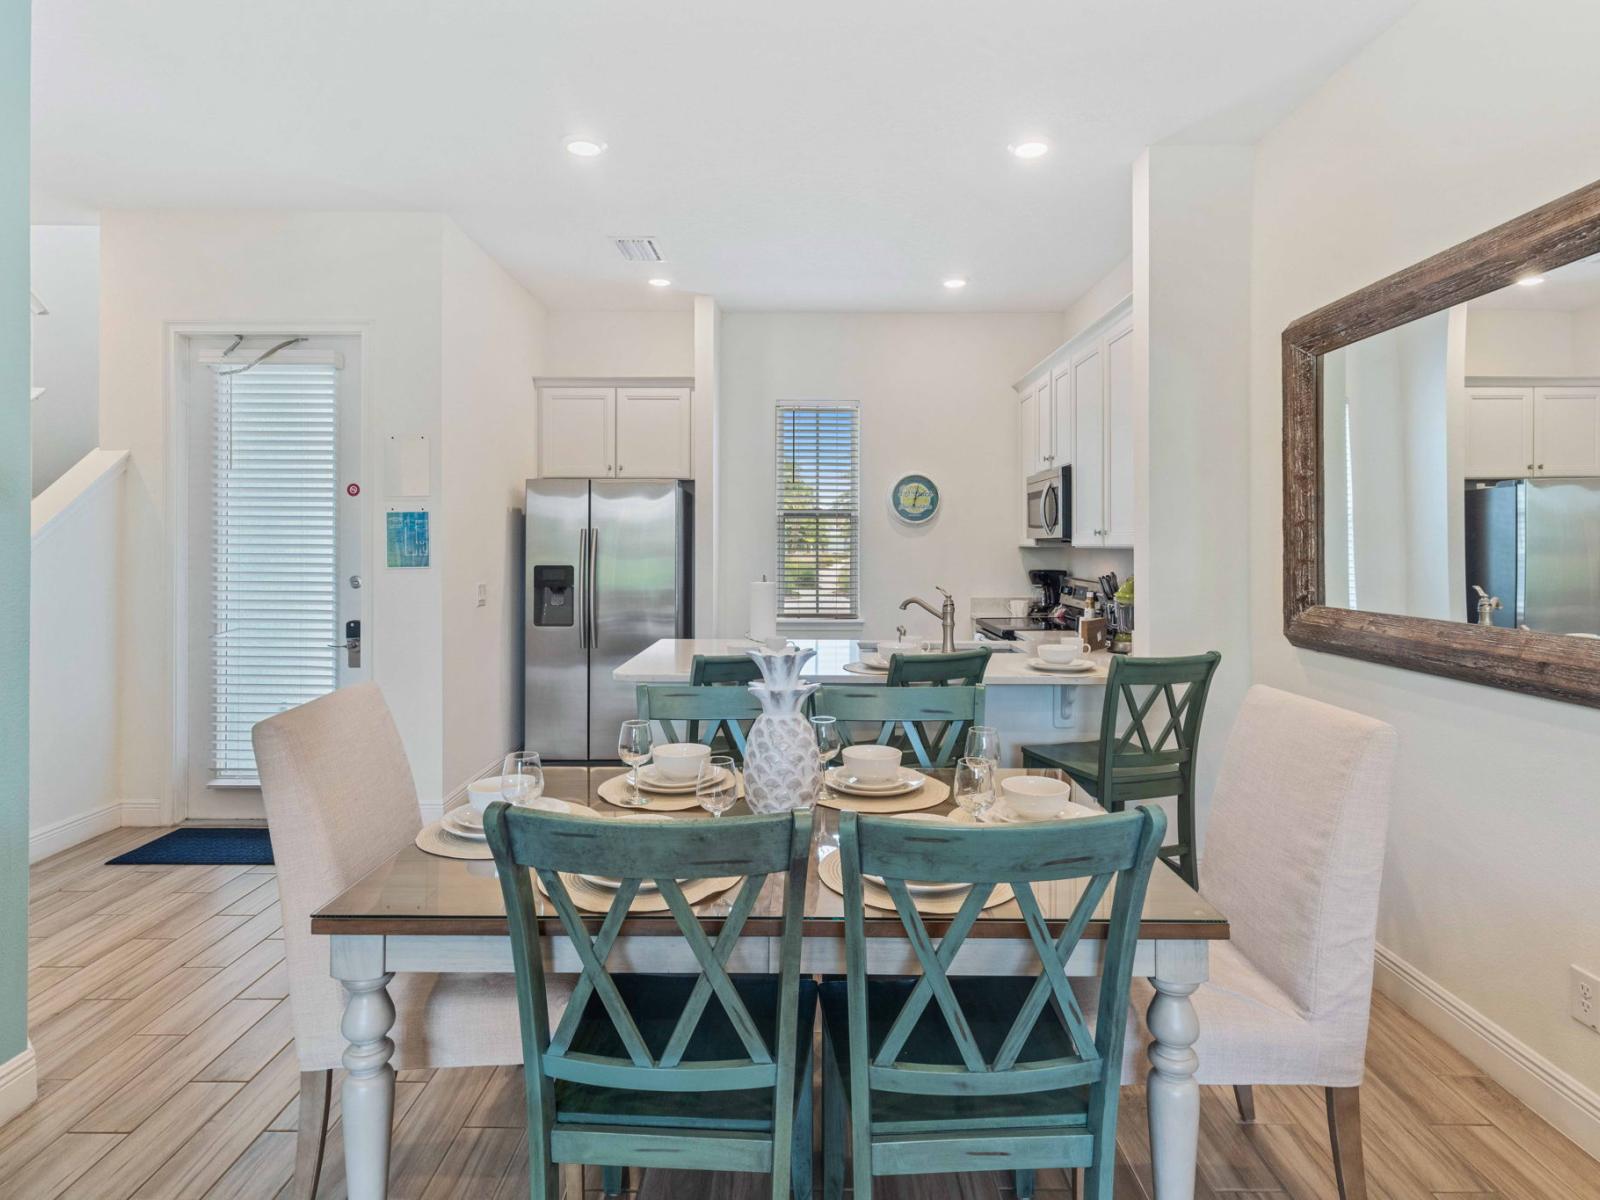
{"points": [[786, 615]]}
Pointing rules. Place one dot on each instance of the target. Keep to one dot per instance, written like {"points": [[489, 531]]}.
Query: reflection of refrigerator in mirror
{"points": [[1535, 543]]}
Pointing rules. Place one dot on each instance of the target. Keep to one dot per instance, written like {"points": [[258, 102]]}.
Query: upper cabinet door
{"points": [[655, 433], [1119, 437], [1028, 421], [1061, 416], [1048, 429], [1499, 433], [575, 432], [1566, 431], [1088, 454]]}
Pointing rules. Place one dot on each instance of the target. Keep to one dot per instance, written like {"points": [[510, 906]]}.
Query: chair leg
{"points": [[1245, 1096], [611, 1180], [834, 1130], [316, 1094], [801, 1163], [1344, 1132], [1024, 1184], [1189, 862]]}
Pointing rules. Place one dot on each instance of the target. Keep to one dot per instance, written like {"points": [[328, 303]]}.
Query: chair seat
{"points": [[656, 1001], [989, 1005]]}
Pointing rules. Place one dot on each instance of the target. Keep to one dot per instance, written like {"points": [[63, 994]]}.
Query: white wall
{"points": [[1115, 286], [936, 397], [492, 340], [1586, 341], [65, 274], [1520, 341], [1489, 883], [638, 342]]}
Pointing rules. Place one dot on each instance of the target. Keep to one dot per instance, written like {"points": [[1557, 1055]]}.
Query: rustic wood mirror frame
{"points": [[1539, 664]]}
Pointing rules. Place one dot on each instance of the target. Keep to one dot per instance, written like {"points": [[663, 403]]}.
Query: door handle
{"points": [[589, 588], [583, 589], [351, 644]]}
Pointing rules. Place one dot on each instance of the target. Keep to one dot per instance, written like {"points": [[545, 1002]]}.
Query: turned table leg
{"points": [[1172, 1093], [368, 1093]]}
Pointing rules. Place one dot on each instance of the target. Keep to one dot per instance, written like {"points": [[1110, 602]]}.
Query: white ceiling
{"points": [[833, 154]]}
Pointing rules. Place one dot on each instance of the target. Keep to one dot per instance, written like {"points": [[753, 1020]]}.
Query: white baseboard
{"points": [[19, 1084], [142, 812], [1566, 1103], [45, 840]]}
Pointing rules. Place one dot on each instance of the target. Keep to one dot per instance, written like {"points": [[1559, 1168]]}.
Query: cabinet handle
{"points": [[1541, 466]]}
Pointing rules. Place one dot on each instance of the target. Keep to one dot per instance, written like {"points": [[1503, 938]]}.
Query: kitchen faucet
{"points": [[946, 613], [1486, 606]]}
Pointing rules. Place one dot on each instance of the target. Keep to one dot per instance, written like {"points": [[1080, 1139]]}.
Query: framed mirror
{"points": [[1441, 468]]}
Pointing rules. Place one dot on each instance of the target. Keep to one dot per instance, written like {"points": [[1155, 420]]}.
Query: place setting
{"points": [[665, 777], [459, 832], [1061, 658], [871, 779]]}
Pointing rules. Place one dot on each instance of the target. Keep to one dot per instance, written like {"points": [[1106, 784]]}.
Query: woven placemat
{"points": [[931, 794], [593, 898], [831, 872], [615, 791], [435, 839]]}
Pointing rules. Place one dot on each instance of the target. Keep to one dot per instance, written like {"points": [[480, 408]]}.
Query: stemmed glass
{"points": [[974, 787], [983, 741], [716, 787], [521, 778], [633, 748], [829, 743]]}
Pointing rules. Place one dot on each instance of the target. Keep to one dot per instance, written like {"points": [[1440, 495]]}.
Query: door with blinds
{"points": [[274, 547]]}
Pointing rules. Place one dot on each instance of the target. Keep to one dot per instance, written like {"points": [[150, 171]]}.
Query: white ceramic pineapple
{"points": [[781, 769]]}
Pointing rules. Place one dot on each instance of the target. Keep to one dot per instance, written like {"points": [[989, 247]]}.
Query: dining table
{"points": [[422, 912]]}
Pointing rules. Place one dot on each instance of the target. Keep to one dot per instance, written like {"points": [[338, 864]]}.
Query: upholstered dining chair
{"points": [[340, 800], [1294, 855]]}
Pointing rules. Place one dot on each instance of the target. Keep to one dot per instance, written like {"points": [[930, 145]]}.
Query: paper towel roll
{"points": [[763, 610]]}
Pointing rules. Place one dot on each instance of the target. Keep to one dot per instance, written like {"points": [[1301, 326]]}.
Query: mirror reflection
{"points": [[1462, 461]]}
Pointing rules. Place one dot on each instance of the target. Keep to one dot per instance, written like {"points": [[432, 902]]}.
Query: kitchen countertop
{"points": [[669, 660]]}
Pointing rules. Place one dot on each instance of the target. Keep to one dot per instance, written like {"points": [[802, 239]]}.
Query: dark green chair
{"points": [[723, 670], [1134, 758], [907, 713], [699, 714], [963, 668], [706, 1071], [946, 1073]]}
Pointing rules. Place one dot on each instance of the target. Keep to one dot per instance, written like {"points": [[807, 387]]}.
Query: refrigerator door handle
{"points": [[590, 586], [583, 589]]}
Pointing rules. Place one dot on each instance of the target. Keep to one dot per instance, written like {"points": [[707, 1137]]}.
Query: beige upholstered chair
{"points": [[1293, 858], [340, 800]]}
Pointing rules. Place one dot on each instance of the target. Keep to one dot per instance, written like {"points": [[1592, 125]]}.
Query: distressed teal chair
{"points": [[963, 667], [932, 721], [1149, 737], [709, 669], [704, 1072], [699, 714], [948, 1073]]}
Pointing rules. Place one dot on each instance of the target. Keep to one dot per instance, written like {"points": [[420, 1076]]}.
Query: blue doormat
{"points": [[201, 847]]}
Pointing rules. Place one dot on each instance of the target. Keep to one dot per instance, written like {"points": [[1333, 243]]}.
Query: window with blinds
{"points": [[274, 540], [819, 510]]}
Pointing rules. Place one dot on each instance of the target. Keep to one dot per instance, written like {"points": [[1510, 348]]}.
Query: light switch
{"points": [[483, 595]]}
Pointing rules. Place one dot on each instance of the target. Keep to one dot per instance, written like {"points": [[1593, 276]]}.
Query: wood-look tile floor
{"points": [[157, 1009]]}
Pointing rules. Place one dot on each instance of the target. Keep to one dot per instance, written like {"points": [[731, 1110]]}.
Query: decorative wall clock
{"points": [[915, 499]]}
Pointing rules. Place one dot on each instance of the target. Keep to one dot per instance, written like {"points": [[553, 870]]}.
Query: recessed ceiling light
{"points": [[585, 147], [955, 283], [1029, 149], [1530, 281], [661, 283]]}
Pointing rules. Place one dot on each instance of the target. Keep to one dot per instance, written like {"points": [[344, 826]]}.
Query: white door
{"points": [[1061, 416], [654, 433], [1499, 433], [576, 432], [1088, 454], [1030, 433], [274, 550], [1044, 410], [1119, 437], [1566, 431]]}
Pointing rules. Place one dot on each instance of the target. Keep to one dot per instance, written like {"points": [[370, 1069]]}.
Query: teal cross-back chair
{"points": [[907, 713], [1143, 761], [704, 1072], [699, 714], [947, 1073], [964, 667]]}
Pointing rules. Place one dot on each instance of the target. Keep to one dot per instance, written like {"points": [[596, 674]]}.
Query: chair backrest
{"points": [[1103, 851], [1294, 847], [911, 713], [340, 800], [666, 855], [963, 667], [688, 713], [1152, 715], [723, 669]]}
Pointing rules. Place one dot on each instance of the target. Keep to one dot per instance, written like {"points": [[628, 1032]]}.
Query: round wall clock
{"points": [[915, 498]]}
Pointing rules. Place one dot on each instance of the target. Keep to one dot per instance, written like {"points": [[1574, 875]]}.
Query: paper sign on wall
{"points": [[407, 468], [407, 538]]}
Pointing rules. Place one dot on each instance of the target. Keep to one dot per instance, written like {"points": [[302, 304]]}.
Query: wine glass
{"points": [[829, 743], [633, 748], [983, 741], [717, 787], [974, 787], [521, 777]]}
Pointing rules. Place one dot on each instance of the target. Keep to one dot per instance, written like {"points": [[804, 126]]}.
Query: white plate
{"points": [[456, 827], [466, 816], [1076, 667], [652, 780], [865, 668], [909, 781], [1001, 814]]}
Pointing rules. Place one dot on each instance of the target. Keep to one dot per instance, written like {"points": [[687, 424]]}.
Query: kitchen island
{"points": [[1025, 705]]}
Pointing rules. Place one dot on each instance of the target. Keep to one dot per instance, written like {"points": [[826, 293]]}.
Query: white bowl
{"points": [[680, 761], [1058, 654], [872, 764], [888, 649], [1035, 798], [483, 792]]}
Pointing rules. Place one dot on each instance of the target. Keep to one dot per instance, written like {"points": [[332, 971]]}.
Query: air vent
{"points": [[639, 249]]}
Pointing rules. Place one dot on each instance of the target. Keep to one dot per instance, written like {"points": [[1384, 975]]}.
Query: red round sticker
{"points": [[354, 489]]}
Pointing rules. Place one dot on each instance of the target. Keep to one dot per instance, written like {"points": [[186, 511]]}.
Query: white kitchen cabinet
{"points": [[1061, 440], [1499, 432], [621, 432], [1029, 425], [1566, 431], [576, 432], [654, 433], [1119, 437], [1038, 428], [1088, 446]]}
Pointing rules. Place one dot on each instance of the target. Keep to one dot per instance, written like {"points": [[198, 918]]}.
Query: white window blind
{"points": [[274, 546], [819, 510]]}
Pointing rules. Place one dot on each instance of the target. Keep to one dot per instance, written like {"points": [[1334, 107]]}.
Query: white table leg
{"points": [[1171, 1091], [368, 1093]]}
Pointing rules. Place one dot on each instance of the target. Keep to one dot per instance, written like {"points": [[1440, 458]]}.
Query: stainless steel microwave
{"points": [[1048, 503]]}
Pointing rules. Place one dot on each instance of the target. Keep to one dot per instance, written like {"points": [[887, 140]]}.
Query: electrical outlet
{"points": [[483, 595], [1586, 998]]}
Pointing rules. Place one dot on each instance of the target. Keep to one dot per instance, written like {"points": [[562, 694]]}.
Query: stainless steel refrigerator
{"points": [[1535, 543], [609, 570]]}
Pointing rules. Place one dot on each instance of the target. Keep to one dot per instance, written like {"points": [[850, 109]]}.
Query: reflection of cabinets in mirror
{"points": [[1532, 431], [621, 432]]}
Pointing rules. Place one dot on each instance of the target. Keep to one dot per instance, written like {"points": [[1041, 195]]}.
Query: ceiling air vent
{"points": [[639, 249]]}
